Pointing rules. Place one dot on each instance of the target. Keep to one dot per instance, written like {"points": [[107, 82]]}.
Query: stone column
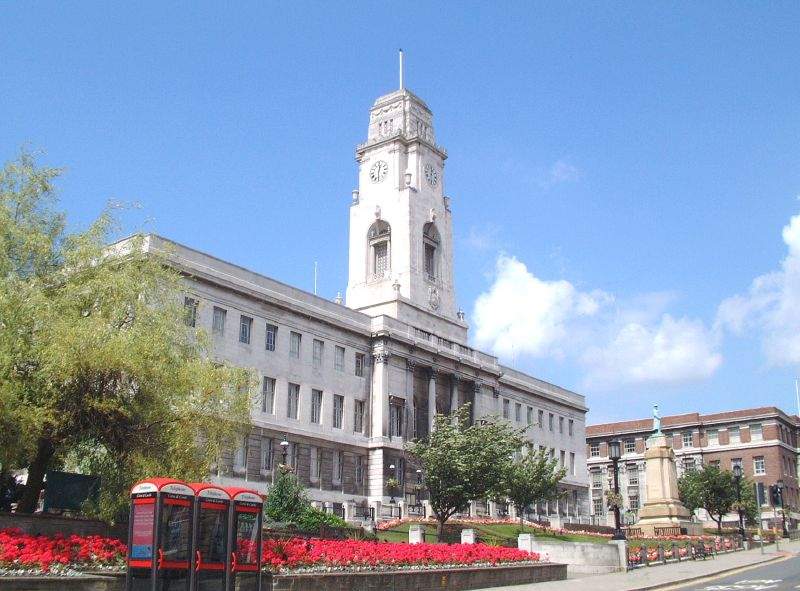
{"points": [[432, 372], [410, 365], [453, 394], [379, 423]]}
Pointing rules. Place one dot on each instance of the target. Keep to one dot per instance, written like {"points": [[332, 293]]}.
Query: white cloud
{"points": [[559, 172], [772, 305], [522, 314], [637, 343], [669, 351]]}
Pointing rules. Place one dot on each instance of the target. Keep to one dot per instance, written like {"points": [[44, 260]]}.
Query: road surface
{"points": [[783, 575]]}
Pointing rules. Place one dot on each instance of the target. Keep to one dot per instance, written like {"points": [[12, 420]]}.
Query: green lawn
{"points": [[499, 530]]}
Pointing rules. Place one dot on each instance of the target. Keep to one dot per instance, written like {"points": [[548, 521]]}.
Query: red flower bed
{"points": [[317, 554], [23, 551]]}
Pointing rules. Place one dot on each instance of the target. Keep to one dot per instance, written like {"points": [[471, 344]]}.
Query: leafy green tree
{"points": [[462, 462], [287, 502], [714, 490], [531, 478], [97, 366]]}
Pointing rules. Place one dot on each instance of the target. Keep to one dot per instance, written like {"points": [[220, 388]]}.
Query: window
{"points": [[359, 359], [358, 416], [756, 432], [572, 463], [268, 396], [395, 420], [338, 410], [633, 475], [633, 501], [293, 403], [271, 337], [218, 321], [561, 425], [315, 463], [689, 464], [630, 446], [294, 344], [714, 463], [594, 450], [430, 239], [245, 327], [240, 454], [530, 416], [597, 480], [338, 358], [571, 427], [736, 462], [733, 435], [713, 436], [318, 349], [541, 419], [562, 460], [506, 408], [687, 439], [759, 466], [190, 312], [316, 406], [550, 421], [761, 493], [379, 237], [338, 463], [597, 506], [267, 454], [359, 470], [400, 471], [518, 412]]}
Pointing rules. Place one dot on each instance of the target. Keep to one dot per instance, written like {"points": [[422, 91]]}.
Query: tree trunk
{"points": [[719, 523], [45, 450], [439, 530]]}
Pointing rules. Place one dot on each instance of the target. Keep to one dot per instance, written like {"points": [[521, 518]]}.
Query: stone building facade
{"points": [[349, 385], [763, 441]]}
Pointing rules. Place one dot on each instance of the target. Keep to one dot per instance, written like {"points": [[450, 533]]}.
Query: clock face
{"points": [[431, 174], [377, 171]]}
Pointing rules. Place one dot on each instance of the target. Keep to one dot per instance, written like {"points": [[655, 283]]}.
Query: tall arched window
{"points": [[380, 238], [430, 246]]}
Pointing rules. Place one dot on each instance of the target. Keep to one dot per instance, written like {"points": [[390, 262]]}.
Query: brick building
{"points": [[762, 440]]}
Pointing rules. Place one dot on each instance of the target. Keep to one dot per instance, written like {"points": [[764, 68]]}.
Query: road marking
{"points": [[752, 584]]}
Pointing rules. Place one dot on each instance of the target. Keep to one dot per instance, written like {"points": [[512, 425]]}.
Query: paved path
{"points": [[668, 575]]}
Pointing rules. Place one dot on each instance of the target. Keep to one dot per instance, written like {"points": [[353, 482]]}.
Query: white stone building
{"points": [[349, 385]]}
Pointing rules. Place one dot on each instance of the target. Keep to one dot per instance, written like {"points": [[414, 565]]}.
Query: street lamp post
{"points": [[614, 453], [737, 478], [284, 448], [391, 488], [783, 508]]}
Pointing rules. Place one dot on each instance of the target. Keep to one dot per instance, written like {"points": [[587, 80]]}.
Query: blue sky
{"points": [[619, 171]]}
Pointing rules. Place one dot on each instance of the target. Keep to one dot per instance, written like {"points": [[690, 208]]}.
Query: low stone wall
{"points": [[62, 583], [455, 579], [580, 557], [42, 523]]}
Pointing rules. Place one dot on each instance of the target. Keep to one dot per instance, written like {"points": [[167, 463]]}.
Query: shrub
{"points": [[287, 500]]}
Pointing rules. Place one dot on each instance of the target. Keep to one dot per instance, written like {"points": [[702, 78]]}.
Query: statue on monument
{"points": [[656, 420]]}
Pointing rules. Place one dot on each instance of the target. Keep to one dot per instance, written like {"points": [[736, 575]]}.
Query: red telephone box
{"points": [[160, 536], [245, 539], [211, 557]]}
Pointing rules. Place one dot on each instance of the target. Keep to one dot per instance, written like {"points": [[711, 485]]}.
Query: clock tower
{"points": [[401, 240]]}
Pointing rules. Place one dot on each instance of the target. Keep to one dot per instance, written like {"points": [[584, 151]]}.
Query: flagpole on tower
{"points": [[401, 69]]}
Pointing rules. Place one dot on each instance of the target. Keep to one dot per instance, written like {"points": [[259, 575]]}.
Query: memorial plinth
{"points": [[663, 510]]}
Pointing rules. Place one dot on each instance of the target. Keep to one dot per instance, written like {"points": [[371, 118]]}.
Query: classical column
{"points": [[410, 365], [453, 394], [431, 397], [380, 394]]}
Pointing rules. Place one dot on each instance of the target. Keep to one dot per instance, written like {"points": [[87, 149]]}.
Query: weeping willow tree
{"points": [[98, 368]]}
